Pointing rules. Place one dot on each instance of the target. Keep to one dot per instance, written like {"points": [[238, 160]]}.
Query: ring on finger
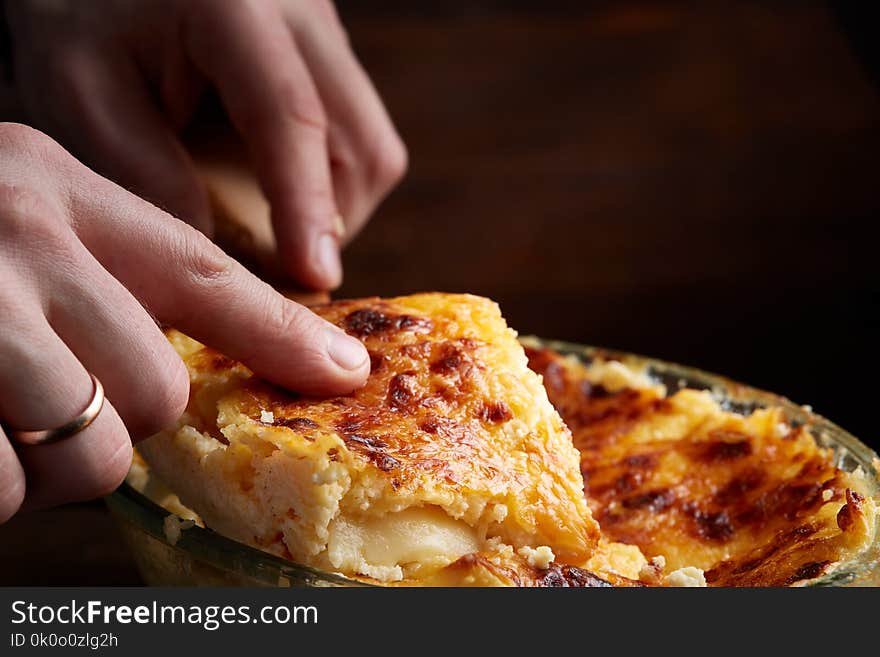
{"points": [[77, 424]]}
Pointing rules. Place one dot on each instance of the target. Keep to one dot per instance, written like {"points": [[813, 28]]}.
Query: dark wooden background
{"points": [[691, 180], [696, 181]]}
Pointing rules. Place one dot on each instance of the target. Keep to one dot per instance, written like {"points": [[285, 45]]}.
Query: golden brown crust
{"points": [[752, 500], [435, 407]]}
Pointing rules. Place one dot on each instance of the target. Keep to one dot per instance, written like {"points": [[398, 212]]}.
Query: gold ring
{"points": [[77, 424]]}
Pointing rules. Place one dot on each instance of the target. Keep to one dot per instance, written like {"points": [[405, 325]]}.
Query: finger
{"points": [[367, 156], [85, 466], [111, 120], [115, 338], [42, 386], [246, 50], [189, 283], [11, 480]]}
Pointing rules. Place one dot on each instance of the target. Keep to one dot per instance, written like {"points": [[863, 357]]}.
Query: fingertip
{"points": [[314, 261], [348, 353], [326, 260], [345, 367], [331, 363], [168, 396]]}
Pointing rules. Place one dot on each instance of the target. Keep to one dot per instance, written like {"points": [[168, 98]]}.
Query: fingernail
{"points": [[347, 352], [328, 259], [338, 227]]}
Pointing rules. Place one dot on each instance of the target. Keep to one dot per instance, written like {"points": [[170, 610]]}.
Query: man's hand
{"points": [[116, 80], [83, 266]]}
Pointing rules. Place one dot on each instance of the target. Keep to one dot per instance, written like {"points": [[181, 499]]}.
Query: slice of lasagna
{"points": [[451, 448]]}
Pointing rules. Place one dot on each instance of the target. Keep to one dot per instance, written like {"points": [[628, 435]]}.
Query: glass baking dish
{"points": [[201, 557]]}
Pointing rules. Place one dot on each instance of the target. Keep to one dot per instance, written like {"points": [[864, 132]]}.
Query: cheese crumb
{"points": [[614, 376], [499, 512], [173, 526], [687, 577], [653, 569], [495, 544], [540, 557], [827, 494], [267, 417]]}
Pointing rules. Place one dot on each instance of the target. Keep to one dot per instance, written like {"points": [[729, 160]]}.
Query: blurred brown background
{"points": [[690, 180]]}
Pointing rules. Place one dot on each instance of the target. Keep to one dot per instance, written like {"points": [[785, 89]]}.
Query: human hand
{"points": [[116, 81], [83, 266]]}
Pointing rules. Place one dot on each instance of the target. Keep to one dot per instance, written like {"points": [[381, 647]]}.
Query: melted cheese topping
{"points": [[749, 499]]}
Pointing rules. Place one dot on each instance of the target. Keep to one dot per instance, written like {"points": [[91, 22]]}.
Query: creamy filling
{"points": [[407, 543]]}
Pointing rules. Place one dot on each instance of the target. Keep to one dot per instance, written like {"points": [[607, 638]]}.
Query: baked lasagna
{"points": [[451, 448], [469, 460]]}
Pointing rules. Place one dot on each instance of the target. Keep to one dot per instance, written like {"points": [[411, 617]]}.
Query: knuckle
{"points": [[19, 322], [18, 199], [20, 208], [28, 217], [292, 104], [17, 311], [285, 317], [17, 135], [302, 108], [24, 140], [388, 163], [202, 262], [315, 200]]}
